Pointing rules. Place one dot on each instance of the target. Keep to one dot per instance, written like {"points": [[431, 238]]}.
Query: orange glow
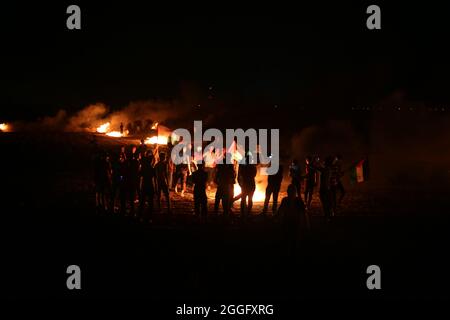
{"points": [[4, 127], [156, 140], [103, 128], [155, 126], [115, 134], [258, 196]]}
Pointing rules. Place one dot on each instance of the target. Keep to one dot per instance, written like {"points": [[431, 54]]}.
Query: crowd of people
{"points": [[133, 180]]}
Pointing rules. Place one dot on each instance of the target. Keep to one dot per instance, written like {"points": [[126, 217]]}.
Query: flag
{"points": [[360, 172]]}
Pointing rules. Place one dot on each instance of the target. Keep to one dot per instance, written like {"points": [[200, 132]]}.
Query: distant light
{"points": [[4, 127]]}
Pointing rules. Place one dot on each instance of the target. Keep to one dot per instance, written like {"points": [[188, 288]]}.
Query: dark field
{"points": [[50, 222]]}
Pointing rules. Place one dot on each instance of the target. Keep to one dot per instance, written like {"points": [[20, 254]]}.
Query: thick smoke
{"points": [[87, 119], [94, 115]]}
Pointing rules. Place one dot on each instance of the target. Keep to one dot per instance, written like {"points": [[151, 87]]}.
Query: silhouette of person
{"points": [[115, 180], [325, 191], [310, 179], [295, 219], [121, 128], [296, 176], [133, 178], [102, 179], [339, 174], [209, 159], [123, 152], [161, 169], [171, 165], [123, 182], [148, 175], [200, 178], [225, 178], [246, 179], [182, 171], [273, 189], [142, 149]]}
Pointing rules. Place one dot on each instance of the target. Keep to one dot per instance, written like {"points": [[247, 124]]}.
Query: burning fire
{"points": [[155, 126], [4, 127], [103, 128], [115, 134], [258, 196], [156, 140]]}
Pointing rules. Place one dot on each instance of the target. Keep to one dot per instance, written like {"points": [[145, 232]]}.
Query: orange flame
{"points": [[156, 140], [103, 128], [258, 196], [114, 134]]}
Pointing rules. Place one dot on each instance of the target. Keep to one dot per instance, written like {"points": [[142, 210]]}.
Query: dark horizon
{"points": [[322, 58]]}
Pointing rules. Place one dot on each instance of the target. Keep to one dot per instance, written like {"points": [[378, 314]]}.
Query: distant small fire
{"points": [[4, 127], [159, 137], [105, 129], [156, 140]]}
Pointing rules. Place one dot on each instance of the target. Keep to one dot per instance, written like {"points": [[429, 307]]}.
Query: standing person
{"points": [[273, 189], [123, 153], [339, 174], [121, 128], [335, 176], [161, 170], [182, 171], [115, 182], [325, 190], [148, 185], [310, 180], [296, 176], [133, 179], [295, 219], [225, 178], [200, 178], [209, 159], [246, 179], [171, 165], [102, 179], [220, 161], [123, 182], [141, 151]]}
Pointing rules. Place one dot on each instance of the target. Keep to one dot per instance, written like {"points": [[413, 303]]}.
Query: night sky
{"points": [[313, 57]]}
